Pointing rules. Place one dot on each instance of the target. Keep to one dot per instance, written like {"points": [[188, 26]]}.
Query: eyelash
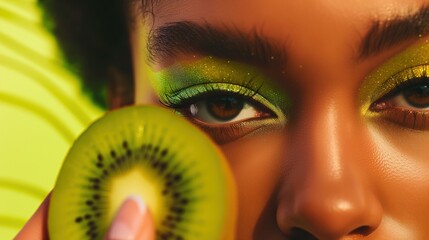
{"points": [[411, 118], [182, 98], [401, 86], [222, 133]]}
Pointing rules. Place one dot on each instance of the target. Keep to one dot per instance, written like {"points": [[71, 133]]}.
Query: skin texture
{"points": [[336, 169], [333, 172]]}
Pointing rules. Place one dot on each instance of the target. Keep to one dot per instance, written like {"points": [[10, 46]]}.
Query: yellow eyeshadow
{"points": [[411, 63]]}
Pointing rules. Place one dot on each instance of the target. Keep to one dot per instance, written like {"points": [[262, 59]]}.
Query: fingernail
{"points": [[126, 224]]}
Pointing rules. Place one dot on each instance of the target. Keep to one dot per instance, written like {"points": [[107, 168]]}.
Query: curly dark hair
{"points": [[94, 39]]}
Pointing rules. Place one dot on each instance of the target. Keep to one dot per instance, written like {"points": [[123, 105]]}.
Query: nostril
{"points": [[363, 231], [296, 233], [300, 234]]}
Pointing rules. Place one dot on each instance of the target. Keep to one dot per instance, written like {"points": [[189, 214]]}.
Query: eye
{"points": [[226, 112], [417, 96], [229, 116], [225, 109], [407, 104]]}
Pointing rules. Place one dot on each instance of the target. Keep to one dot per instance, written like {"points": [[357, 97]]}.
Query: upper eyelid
{"points": [[200, 97], [399, 86], [379, 80], [179, 91], [208, 70], [402, 79], [210, 88], [374, 90]]}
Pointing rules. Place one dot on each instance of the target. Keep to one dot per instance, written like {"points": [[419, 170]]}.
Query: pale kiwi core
{"points": [[139, 182]]}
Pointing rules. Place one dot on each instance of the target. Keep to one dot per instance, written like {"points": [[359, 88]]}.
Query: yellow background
{"points": [[42, 110]]}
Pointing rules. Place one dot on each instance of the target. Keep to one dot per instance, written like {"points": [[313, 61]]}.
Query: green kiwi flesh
{"points": [[151, 152]]}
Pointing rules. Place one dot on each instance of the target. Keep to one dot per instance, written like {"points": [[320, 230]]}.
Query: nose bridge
{"points": [[325, 190], [328, 138]]}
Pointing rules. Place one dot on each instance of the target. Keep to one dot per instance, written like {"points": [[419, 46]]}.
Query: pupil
{"points": [[418, 96], [225, 108]]}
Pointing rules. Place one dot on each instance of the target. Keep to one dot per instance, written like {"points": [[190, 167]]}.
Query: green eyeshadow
{"points": [[183, 80], [411, 63]]}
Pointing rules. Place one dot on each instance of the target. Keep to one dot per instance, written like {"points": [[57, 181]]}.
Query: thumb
{"points": [[132, 222]]}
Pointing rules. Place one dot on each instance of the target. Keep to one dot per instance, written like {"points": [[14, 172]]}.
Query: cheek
{"points": [[403, 175], [257, 168]]}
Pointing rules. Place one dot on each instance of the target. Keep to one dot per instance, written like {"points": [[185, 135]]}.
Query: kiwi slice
{"points": [[151, 152]]}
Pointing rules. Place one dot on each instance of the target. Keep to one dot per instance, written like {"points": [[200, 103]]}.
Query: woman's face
{"points": [[321, 107]]}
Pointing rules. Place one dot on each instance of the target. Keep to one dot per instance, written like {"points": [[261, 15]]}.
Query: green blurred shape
{"points": [[41, 111]]}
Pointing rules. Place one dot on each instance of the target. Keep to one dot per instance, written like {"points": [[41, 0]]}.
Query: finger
{"points": [[132, 222], [36, 228], [147, 228]]}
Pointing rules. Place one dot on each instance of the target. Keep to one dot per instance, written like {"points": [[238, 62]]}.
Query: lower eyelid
{"points": [[408, 118], [225, 133]]}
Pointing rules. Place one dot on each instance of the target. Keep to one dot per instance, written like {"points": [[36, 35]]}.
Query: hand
{"points": [[132, 222]]}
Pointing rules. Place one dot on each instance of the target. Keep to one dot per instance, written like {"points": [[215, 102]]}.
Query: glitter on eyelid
{"points": [[413, 62], [208, 70]]}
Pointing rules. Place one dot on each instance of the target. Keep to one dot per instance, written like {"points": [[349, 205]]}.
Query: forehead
{"points": [[304, 25], [285, 12]]}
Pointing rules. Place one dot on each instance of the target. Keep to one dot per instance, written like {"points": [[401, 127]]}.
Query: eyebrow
{"points": [[224, 42], [386, 33], [187, 37]]}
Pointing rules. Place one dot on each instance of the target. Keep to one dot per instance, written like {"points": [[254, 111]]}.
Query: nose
{"points": [[326, 192]]}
